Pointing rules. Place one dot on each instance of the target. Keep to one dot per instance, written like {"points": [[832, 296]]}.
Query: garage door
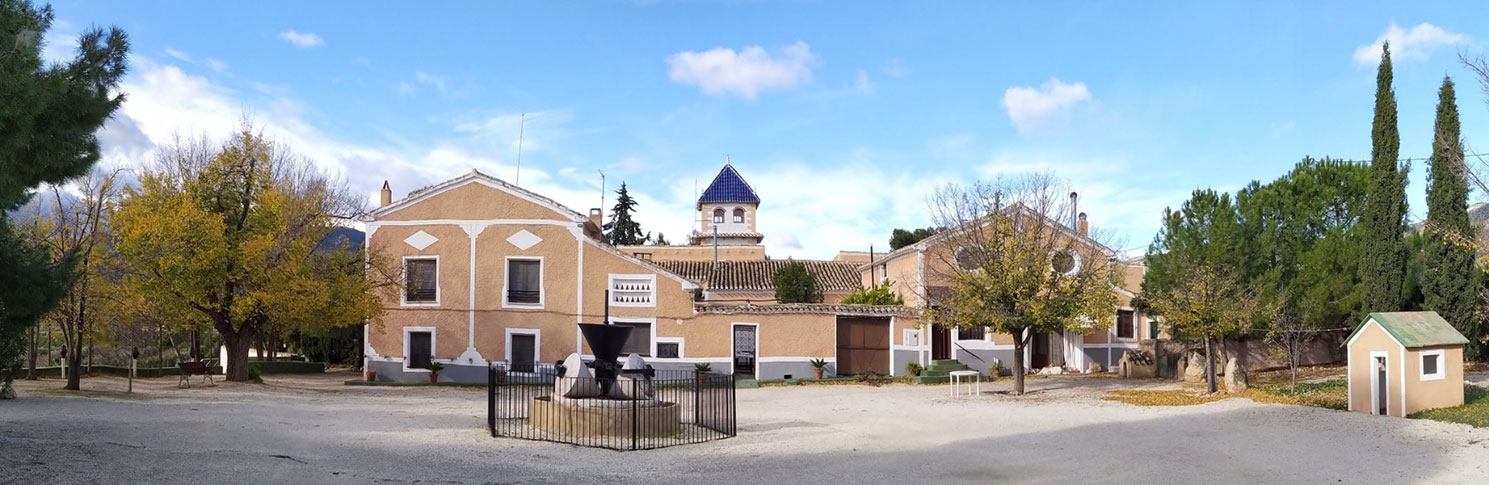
{"points": [[863, 346]]}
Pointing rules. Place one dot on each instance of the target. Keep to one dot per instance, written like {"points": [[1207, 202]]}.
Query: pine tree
{"points": [[49, 114], [1383, 255], [622, 230], [1449, 280]]}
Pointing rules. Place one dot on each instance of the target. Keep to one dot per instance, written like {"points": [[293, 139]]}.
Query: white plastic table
{"points": [[956, 382]]}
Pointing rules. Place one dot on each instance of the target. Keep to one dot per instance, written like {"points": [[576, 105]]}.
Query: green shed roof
{"points": [[1415, 329]]}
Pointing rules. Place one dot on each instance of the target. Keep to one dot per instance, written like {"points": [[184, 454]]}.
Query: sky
{"points": [[844, 116]]}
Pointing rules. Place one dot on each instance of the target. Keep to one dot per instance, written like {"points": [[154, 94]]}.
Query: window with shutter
{"points": [[640, 340], [524, 352], [633, 290], [421, 280], [524, 281]]}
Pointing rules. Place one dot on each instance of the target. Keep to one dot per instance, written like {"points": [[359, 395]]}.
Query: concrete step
{"points": [[947, 366], [746, 384]]}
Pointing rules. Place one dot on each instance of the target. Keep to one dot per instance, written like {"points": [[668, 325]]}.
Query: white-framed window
{"points": [[738, 215], [420, 281], [911, 337], [418, 348], [641, 337], [522, 349], [718, 216], [633, 290], [1065, 262], [971, 333], [1433, 364], [669, 348], [523, 286]]}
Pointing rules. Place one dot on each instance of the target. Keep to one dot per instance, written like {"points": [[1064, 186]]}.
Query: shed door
{"points": [[863, 346]]}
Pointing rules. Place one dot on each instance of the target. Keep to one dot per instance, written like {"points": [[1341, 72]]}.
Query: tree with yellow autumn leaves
{"points": [[227, 233]]}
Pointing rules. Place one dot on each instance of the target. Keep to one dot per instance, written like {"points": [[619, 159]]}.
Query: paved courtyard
{"points": [[315, 430]]}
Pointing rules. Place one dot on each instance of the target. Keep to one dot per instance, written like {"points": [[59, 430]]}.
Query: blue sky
{"points": [[844, 116]]}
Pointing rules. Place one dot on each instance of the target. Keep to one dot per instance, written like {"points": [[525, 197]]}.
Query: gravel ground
{"points": [[315, 430]]}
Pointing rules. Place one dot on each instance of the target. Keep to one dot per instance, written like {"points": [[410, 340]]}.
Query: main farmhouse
{"points": [[493, 272]]}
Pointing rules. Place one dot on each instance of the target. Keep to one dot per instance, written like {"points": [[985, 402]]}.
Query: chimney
{"points": [[1082, 226], [596, 216], [1073, 202], [387, 195]]}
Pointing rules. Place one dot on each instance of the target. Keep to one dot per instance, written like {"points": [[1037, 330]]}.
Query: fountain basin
{"points": [[605, 417]]}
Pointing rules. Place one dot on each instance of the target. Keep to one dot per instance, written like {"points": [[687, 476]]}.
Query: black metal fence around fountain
{"points": [[608, 406]]}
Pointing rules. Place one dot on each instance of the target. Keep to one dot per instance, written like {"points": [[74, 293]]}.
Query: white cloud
{"points": [[217, 66], [300, 39], [180, 56], [744, 73], [863, 84], [1036, 110], [896, 69], [1414, 44]]}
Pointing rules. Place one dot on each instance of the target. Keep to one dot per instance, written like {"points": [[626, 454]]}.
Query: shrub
{"points": [[254, 375], [434, 367], [819, 364], [914, 368], [702, 367], [879, 294]]}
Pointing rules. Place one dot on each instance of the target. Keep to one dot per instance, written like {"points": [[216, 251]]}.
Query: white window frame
{"points": [[537, 334], [719, 215], [507, 281], [1075, 266], [738, 212], [407, 353], [403, 296], [682, 347], [652, 301], [652, 332], [1442, 363]]}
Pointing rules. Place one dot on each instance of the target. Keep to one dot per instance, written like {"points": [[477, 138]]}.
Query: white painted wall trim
{"points": [[433, 345], [1374, 384], [651, 301], [1442, 363], [773, 360], [403, 295], [537, 334], [507, 279]]}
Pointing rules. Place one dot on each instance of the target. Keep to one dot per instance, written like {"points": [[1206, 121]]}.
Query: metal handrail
{"points": [[969, 352]]}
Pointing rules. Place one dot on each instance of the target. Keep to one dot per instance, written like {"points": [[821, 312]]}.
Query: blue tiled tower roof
{"points": [[728, 186]]}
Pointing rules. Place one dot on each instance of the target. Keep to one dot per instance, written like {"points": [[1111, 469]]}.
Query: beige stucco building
{"points": [[1404, 362], [914, 269], [496, 273]]}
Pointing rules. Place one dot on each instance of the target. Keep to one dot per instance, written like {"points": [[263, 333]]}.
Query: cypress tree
{"points": [[1383, 254], [1449, 280]]}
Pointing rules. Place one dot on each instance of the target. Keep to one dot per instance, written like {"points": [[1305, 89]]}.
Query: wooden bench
{"points": [[196, 368]]}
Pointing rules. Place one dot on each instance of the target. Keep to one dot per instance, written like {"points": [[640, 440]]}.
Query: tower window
{"points": [[738, 216], [718, 216]]}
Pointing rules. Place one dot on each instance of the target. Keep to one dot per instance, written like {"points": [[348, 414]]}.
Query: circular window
{"points": [[966, 258], [1065, 262]]}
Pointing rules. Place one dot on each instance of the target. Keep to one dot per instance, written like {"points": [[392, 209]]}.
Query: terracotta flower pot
{"points": [[819, 374], [433, 377], [371, 376]]}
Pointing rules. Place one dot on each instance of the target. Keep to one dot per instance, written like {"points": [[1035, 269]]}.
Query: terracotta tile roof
{"points": [[818, 308], [758, 275]]}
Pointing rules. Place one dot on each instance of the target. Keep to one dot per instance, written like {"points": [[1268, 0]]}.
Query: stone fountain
{"points": [[605, 397]]}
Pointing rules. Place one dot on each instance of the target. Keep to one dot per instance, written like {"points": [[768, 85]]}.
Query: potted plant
{"points": [[996, 370], [817, 366], [371, 375], [702, 369], [434, 368], [914, 368]]}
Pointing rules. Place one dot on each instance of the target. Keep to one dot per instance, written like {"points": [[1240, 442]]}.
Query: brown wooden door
{"points": [[1039, 351], [940, 342], [863, 346]]}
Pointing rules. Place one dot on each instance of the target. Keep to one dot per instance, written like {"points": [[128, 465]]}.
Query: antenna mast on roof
{"points": [[602, 198], [521, 127]]}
